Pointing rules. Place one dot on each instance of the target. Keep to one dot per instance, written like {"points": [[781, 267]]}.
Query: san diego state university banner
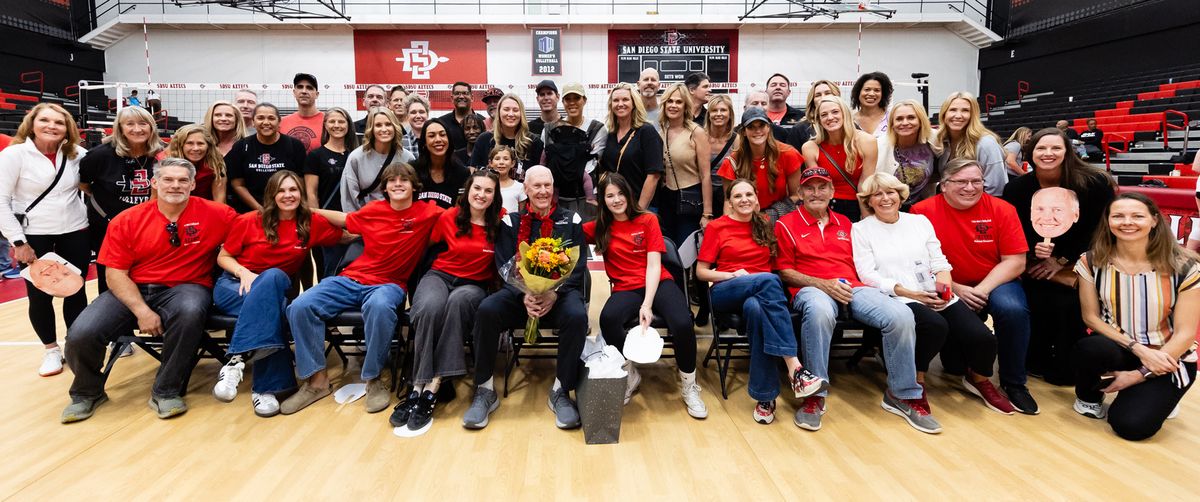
{"points": [[420, 56]]}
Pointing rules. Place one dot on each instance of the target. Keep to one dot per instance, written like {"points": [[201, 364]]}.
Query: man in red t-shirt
{"points": [[160, 257], [395, 232], [982, 238], [816, 263], [308, 122]]}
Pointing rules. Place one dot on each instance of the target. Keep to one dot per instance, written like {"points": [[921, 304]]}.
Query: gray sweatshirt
{"points": [[362, 167]]}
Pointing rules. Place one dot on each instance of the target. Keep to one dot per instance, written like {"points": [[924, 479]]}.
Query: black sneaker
{"points": [[422, 412], [1021, 399], [403, 410], [446, 392]]}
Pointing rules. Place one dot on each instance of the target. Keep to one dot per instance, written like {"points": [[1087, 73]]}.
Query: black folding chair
{"points": [[547, 345]]}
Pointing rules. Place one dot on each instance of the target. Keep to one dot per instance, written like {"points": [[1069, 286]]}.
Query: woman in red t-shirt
{"points": [[194, 143], [736, 256], [772, 167], [445, 301], [262, 251], [846, 152], [632, 244]]}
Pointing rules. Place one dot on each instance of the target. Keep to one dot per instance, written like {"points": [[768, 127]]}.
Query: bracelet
{"points": [[1132, 343], [1146, 373], [707, 215]]}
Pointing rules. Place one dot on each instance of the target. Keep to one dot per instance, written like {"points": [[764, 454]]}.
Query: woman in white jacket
{"points": [[907, 151], [41, 211], [899, 253]]}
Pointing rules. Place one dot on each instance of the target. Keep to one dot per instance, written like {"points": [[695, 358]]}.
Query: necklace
{"points": [[1125, 267]]}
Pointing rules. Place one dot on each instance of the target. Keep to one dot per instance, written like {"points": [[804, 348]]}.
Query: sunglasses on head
{"points": [[173, 231]]}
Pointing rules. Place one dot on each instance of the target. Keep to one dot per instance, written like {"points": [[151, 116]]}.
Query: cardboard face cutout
{"points": [[1053, 211], [54, 275]]}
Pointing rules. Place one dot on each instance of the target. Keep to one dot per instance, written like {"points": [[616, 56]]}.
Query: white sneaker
{"points": [[691, 399], [227, 381], [265, 405], [52, 362], [1174, 412], [1090, 410], [635, 379]]}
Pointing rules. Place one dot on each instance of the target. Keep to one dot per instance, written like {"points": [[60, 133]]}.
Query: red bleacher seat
{"points": [[1183, 182], [1156, 95], [1125, 104], [4, 96], [1115, 112], [7, 106]]}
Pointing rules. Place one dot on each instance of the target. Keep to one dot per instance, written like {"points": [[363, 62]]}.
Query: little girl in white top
{"points": [[500, 159]]}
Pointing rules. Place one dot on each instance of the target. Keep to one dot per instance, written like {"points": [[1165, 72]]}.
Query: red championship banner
{"points": [[420, 57]]}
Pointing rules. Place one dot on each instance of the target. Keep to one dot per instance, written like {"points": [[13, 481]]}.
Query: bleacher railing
{"points": [[106, 10], [1109, 149], [1168, 126]]}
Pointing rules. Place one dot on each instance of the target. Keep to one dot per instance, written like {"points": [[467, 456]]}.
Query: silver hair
{"points": [[175, 162]]}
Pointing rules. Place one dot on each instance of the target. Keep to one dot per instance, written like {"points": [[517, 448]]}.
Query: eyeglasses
{"points": [[173, 231], [961, 183]]}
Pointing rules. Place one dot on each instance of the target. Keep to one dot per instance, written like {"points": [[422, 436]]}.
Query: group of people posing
{"points": [[837, 210]]}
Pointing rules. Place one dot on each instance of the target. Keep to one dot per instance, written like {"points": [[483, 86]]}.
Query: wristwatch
{"points": [[18, 243], [1062, 261], [1146, 373]]}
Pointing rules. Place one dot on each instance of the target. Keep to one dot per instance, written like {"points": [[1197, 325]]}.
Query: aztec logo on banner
{"points": [[674, 53], [420, 57]]}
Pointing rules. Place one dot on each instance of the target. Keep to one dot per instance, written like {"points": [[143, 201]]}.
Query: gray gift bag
{"points": [[601, 401]]}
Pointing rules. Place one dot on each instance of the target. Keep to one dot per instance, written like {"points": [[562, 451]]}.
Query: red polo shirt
{"points": [[821, 253], [628, 243], [729, 245], [974, 239], [138, 241], [393, 241], [247, 242], [469, 256]]}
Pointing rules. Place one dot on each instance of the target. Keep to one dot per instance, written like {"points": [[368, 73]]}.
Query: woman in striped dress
{"points": [[1139, 295]]}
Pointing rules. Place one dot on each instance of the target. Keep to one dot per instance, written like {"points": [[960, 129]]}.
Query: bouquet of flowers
{"points": [[538, 268]]}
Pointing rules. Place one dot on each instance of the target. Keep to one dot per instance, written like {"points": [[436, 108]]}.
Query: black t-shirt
{"points": [[327, 166], [117, 183], [1072, 133], [536, 126], [444, 194], [799, 134], [254, 162], [486, 142], [1093, 137], [643, 156]]}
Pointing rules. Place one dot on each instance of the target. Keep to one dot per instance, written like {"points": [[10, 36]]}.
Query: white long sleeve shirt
{"points": [[886, 254], [24, 175]]}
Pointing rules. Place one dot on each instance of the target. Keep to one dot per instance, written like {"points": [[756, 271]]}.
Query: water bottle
{"points": [[925, 277]]}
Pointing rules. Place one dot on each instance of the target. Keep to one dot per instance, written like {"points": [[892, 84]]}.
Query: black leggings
{"points": [[1138, 412], [74, 248], [970, 342], [669, 303], [1055, 326]]}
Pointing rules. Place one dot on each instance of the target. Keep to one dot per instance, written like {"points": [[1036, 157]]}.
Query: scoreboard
{"points": [[674, 53]]}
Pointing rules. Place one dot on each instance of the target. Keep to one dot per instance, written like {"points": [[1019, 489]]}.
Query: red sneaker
{"points": [[990, 395], [764, 412]]}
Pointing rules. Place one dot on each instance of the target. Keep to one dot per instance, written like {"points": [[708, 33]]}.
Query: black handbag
{"points": [[62, 166]]}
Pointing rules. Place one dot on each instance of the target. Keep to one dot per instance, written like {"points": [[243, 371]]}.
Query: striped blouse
{"points": [[1139, 304]]}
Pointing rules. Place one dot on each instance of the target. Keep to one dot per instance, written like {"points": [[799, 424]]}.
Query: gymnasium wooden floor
{"points": [[223, 451]]}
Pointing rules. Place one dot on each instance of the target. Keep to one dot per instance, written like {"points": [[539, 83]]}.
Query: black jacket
{"points": [[567, 225]]}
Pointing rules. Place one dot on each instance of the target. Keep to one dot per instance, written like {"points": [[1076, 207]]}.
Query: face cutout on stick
{"points": [[1053, 211]]}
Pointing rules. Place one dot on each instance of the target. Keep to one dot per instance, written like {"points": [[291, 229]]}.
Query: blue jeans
{"points": [[762, 303], [871, 307], [6, 255], [334, 295], [262, 330], [1010, 316]]}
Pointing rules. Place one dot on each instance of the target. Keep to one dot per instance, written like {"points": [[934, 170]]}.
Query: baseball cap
{"points": [[574, 88], [492, 93], [754, 113], [546, 84], [300, 77], [815, 173]]}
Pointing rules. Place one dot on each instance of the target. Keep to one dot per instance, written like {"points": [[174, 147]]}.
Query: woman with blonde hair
{"points": [[510, 129], [1013, 146], [685, 201], [907, 152], [194, 143], [381, 147], [962, 136], [843, 150], [224, 123], [41, 212], [803, 130], [633, 147], [116, 174], [900, 254], [1138, 290], [718, 125]]}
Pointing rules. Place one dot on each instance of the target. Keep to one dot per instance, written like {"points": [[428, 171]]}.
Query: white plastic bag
{"points": [[643, 346]]}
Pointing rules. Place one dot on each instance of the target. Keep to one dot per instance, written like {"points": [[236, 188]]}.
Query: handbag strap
{"points": [[62, 165], [839, 168], [728, 145], [378, 176], [628, 139]]}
